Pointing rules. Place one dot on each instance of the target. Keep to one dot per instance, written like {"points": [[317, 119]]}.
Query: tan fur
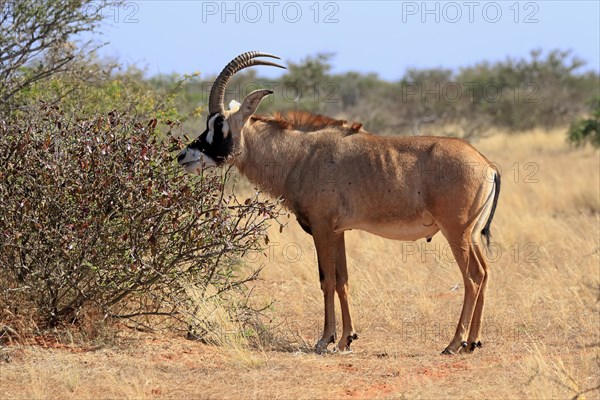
{"points": [[336, 176]]}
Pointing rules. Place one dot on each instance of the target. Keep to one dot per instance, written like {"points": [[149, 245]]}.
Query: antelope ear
{"points": [[251, 102]]}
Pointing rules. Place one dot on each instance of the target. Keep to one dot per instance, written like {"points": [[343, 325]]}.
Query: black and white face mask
{"points": [[211, 148]]}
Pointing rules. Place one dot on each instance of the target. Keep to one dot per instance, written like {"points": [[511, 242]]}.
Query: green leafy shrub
{"points": [[586, 130], [96, 213], [92, 87], [39, 40]]}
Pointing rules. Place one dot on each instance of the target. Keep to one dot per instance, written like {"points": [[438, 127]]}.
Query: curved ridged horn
{"points": [[245, 60]]}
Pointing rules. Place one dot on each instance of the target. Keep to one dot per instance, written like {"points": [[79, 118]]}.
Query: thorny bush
{"points": [[95, 212]]}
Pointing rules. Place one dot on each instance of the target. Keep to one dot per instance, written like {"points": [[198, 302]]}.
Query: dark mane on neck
{"points": [[307, 122]]}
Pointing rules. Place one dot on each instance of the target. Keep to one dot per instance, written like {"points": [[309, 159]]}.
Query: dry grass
{"points": [[542, 318]]}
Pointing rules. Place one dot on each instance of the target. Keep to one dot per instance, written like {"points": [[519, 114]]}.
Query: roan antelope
{"points": [[335, 176]]}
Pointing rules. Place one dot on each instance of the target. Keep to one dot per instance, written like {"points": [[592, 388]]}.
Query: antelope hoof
{"points": [[475, 345], [345, 345], [450, 350], [322, 344], [351, 338]]}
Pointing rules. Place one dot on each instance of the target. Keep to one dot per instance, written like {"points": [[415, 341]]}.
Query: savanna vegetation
{"points": [[98, 223], [108, 250]]}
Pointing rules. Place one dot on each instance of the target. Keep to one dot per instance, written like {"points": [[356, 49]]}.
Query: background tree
{"points": [[307, 85], [37, 40]]}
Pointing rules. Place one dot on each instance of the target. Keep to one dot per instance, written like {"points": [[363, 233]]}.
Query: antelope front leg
{"points": [[324, 243], [341, 274]]}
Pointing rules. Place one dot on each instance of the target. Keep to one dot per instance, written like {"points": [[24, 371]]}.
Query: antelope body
{"points": [[335, 176]]}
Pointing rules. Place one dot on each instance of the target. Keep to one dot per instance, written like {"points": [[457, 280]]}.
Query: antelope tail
{"points": [[486, 229]]}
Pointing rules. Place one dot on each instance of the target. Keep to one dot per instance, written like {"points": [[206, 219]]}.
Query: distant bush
{"points": [[586, 130], [544, 90], [96, 213]]}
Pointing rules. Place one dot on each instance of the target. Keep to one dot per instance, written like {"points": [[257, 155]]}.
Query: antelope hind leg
{"points": [[473, 277]]}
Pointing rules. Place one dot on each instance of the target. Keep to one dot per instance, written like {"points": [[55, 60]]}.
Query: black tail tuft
{"points": [[486, 229]]}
